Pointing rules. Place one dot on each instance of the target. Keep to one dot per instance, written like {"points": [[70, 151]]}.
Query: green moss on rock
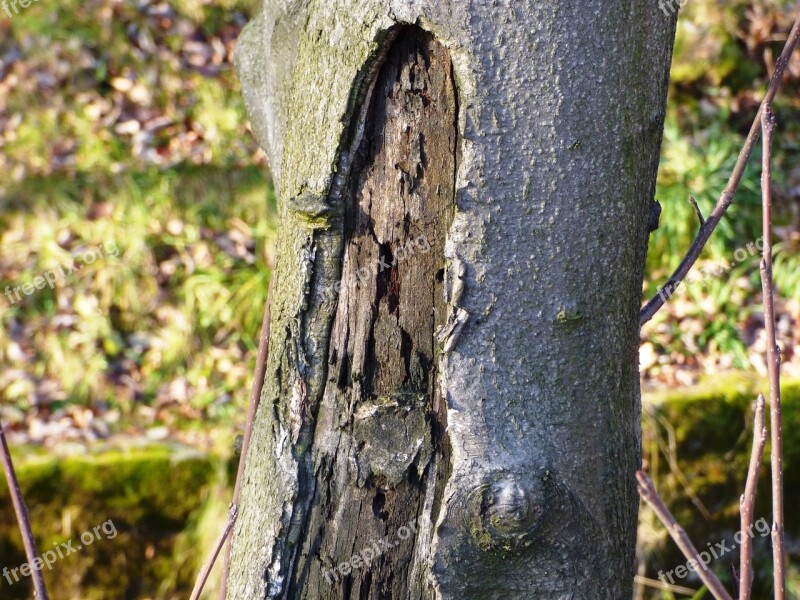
{"points": [[145, 497], [697, 447]]}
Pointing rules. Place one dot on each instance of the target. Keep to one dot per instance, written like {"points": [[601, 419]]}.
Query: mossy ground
{"points": [[123, 123], [158, 509], [697, 448]]}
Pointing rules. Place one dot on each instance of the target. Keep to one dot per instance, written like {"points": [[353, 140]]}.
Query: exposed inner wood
{"points": [[380, 456]]}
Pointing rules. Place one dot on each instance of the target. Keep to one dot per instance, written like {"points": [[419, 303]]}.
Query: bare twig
{"points": [[726, 198], [697, 210], [748, 499], [22, 518], [734, 579], [206, 570], [649, 494], [671, 454], [660, 585], [773, 360], [255, 397]]}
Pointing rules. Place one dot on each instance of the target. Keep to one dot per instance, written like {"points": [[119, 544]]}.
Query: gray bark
{"points": [[482, 393]]}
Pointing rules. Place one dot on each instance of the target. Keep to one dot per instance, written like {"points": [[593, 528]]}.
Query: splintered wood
{"points": [[379, 449]]}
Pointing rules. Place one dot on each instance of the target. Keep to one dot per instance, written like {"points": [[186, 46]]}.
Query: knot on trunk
{"points": [[505, 511]]}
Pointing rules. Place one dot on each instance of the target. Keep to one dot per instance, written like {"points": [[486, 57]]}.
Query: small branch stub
{"points": [[697, 210]]}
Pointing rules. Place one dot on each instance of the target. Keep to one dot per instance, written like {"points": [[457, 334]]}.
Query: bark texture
{"points": [[484, 172], [378, 445]]}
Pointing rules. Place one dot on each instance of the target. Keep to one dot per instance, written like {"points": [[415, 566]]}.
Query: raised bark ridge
{"points": [[560, 114]]}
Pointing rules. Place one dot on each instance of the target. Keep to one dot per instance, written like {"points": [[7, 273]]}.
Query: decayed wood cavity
{"points": [[379, 452]]}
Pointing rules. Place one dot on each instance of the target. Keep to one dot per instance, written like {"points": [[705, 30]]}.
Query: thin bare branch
{"points": [[660, 585], [23, 519], [773, 361], [208, 565], [255, 397], [726, 198], [649, 494], [697, 210], [671, 454], [748, 500], [735, 579]]}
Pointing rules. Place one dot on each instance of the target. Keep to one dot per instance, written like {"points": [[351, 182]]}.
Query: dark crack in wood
{"points": [[380, 454]]}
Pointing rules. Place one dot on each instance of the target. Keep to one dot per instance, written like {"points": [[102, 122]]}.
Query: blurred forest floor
{"points": [[123, 137], [125, 150]]}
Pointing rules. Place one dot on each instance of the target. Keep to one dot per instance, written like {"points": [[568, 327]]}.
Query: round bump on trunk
{"points": [[505, 511]]}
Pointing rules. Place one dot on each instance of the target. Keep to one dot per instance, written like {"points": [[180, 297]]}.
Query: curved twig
{"points": [[23, 519], [207, 566], [255, 397], [726, 198], [649, 494]]}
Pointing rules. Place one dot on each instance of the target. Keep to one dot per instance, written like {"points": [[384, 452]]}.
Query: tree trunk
{"points": [[451, 405]]}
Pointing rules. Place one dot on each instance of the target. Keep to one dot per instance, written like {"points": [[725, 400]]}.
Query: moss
{"points": [[144, 498], [707, 431]]}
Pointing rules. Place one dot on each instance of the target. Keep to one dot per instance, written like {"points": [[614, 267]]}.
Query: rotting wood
{"points": [[380, 453]]}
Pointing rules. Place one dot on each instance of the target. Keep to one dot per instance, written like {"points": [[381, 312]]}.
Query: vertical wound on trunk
{"points": [[380, 447]]}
